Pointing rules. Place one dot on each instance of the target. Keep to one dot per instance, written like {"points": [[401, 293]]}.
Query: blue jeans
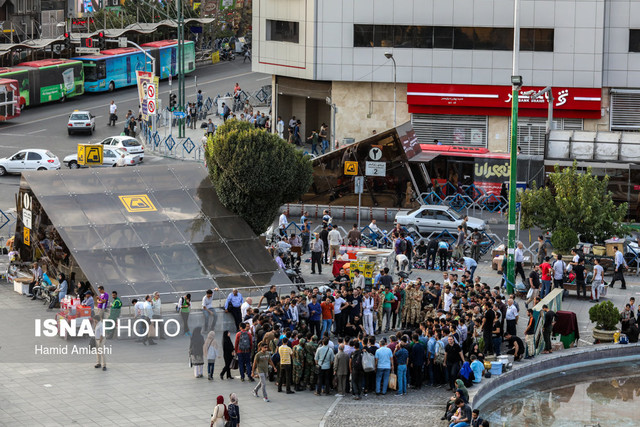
{"points": [[462, 424], [207, 316], [546, 288], [431, 372], [382, 374], [325, 145], [472, 270], [314, 149], [402, 379], [244, 363], [326, 326]]}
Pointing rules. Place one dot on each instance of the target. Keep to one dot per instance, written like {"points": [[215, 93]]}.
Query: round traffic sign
{"points": [[151, 91], [151, 106], [375, 154]]}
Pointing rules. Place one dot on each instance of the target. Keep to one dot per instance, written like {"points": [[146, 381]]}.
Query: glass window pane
{"points": [[463, 38], [209, 203], [217, 258], [403, 36], [115, 182], [100, 208], [197, 230], [362, 35], [177, 262], [142, 289], [230, 282], [158, 178], [232, 228], [383, 35], [634, 40], [443, 37], [259, 261], [268, 279], [139, 207], [192, 176], [192, 286], [100, 267], [422, 37], [63, 211], [543, 41], [83, 182], [46, 184], [493, 39], [118, 236], [80, 238], [177, 204], [158, 233], [136, 265], [526, 39]]}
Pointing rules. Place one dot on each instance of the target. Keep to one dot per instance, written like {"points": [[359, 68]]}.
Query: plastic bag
{"points": [[393, 381]]}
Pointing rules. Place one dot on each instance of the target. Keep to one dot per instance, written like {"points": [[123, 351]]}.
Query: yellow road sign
{"points": [[351, 168], [90, 154], [26, 233], [137, 203]]}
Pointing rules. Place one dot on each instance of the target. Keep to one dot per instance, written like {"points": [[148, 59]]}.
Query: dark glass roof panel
{"points": [[218, 259], [158, 233], [177, 262], [177, 204], [82, 238], [63, 211], [117, 236], [231, 228], [136, 265], [100, 267], [260, 261]]}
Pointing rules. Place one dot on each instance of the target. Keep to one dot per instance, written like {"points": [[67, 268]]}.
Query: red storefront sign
{"points": [[582, 103]]}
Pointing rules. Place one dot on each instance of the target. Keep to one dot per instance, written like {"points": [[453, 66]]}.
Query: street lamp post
{"points": [[516, 83], [389, 55]]}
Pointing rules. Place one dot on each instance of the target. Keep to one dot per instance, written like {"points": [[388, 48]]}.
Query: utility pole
{"points": [[516, 84], [181, 83]]}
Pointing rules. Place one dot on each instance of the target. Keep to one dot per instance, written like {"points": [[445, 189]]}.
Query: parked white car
{"points": [[429, 218], [29, 159], [81, 121], [126, 143], [110, 158]]}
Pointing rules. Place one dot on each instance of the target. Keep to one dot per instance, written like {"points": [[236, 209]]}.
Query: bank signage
{"points": [[496, 100]]}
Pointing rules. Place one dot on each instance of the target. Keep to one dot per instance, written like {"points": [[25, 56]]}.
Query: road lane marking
{"points": [[36, 131], [264, 78]]}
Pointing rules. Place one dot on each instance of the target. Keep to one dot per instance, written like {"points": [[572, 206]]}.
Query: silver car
{"points": [[429, 218], [110, 158]]}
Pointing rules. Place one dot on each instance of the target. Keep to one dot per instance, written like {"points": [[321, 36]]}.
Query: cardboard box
{"points": [[83, 311], [496, 264]]}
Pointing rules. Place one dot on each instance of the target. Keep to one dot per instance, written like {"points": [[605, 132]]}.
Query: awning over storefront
{"points": [[482, 100], [429, 152], [137, 230]]}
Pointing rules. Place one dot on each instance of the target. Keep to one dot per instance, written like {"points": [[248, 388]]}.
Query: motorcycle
{"points": [[227, 55], [295, 276]]}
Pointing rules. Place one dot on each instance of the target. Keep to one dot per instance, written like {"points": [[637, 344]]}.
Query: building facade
{"points": [[453, 67], [587, 50]]}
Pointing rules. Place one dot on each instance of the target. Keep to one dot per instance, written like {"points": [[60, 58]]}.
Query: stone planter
{"points": [[602, 335]]}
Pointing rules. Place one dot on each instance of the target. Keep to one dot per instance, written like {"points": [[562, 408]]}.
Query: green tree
{"points": [[255, 172], [577, 201]]}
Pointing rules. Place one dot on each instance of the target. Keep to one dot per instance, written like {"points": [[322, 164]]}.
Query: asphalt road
{"points": [[45, 126]]}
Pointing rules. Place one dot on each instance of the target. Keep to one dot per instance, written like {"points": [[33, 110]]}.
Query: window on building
{"points": [[443, 37], [469, 38], [536, 39], [634, 40], [283, 31]]}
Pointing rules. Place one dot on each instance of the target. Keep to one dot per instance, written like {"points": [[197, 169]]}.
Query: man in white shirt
{"points": [[559, 268], [334, 243], [156, 304], [207, 310], [597, 285], [338, 315], [367, 307], [245, 306], [512, 317], [113, 109], [282, 223], [620, 265], [358, 279], [280, 127], [447, 298], [147, 316], [519, 258]]}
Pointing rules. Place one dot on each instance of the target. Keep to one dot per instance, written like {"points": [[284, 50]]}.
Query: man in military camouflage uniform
{"points": [[414, 300], [298, 363], [405, 303], [310, 375], [378, 300]]}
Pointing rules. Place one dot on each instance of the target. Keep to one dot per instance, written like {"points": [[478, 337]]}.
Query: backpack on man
{"points": [[244, 345]]}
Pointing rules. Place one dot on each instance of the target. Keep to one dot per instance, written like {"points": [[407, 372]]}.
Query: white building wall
{"points": [[576, 60]]}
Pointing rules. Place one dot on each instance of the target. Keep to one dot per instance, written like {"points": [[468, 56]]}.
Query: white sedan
{"points": [[429, 218], [110, 158], [125, 143], [29, 159], [81, 121]]}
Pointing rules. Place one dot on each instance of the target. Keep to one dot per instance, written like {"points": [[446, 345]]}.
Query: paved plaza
{"points": [[153, 385]]}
